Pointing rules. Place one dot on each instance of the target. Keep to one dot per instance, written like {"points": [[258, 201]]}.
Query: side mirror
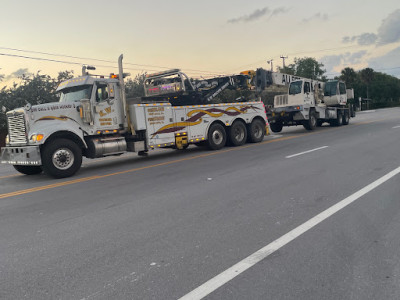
{"points": [[85, 111], [111, 92]]}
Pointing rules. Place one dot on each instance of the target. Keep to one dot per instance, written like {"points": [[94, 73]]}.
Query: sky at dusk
{"points": [[203, 38]]}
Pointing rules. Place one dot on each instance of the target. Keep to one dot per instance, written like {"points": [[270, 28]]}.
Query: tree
{"points": [[34, 89], [307, 67], [135, 87], [349, 76], [367, 76], [287, 69]]}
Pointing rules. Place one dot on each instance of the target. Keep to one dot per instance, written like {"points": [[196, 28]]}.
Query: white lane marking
{"points": [[396, 127], [301, 153], [227, 275]]}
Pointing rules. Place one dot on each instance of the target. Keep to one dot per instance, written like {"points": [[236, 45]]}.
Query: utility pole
{"points": [[283, 60], [272, 66]]}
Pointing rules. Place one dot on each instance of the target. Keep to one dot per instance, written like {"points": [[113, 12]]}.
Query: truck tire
{"points": [[256, 131], [346, 118], [238, 133], [276, 127], [28, 170], [61, 158], [216, 136], [311, 123], [353, 112], [339, 119]]}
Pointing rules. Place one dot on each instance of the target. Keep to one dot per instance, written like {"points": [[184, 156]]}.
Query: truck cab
{"points": [[335, 93]]}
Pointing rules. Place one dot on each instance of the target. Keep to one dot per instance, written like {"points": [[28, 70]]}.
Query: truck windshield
{"points": [[330, 88], [295, 87], [76, 93]]}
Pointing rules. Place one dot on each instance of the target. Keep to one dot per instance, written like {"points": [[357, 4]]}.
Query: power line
{"points": [[101, 60], [198, 72], [102, 66]]}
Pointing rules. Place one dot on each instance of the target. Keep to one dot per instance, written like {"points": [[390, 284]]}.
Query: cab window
{"points": [[306, 87], [101, 92], [342, 88]]}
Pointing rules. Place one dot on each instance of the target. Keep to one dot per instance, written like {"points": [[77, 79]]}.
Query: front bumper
{"points": [[23, 155], [288, 115]]}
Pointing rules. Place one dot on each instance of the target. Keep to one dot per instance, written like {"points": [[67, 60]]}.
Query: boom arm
{"points": [[176, 87]]}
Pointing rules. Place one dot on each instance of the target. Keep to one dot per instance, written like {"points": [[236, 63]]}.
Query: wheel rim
{"points": [[239, 134], [63, 158], [217, 137], [257, 132], [313, 121]]}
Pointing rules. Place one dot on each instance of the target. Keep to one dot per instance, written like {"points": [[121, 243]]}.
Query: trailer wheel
{"points": [[276, 127], [216, 136], [61, 158], [238, 133], [346, 118], [256, 131], [311, 123], [28, 170]]}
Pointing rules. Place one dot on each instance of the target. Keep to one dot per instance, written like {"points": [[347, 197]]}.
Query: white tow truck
{"points": [[94, 119], [308, 102]]}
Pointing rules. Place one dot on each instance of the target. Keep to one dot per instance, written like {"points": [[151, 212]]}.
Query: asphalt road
{"points": [[160, 227]]}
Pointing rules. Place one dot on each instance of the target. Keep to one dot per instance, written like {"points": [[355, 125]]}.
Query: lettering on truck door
{"points": [[308, 95], [160, 124], [106, 110]]}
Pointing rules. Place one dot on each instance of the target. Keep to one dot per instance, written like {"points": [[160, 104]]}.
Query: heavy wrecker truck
{"points": [[93, 118], [308, 102]]}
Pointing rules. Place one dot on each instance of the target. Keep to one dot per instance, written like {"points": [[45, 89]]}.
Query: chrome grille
{"points": [[17, 128], [281, 100]]}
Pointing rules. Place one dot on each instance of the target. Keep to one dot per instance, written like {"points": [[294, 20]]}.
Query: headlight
{"points": [[7, 139], [36, 137]]}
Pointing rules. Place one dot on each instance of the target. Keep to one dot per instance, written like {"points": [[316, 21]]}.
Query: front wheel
{"points": [[216, 136], [276, 127], [311, 123], [61, 158], [28, 170]]}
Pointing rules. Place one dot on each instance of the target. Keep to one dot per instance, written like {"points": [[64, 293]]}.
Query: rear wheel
{"points": [[28, 170], [216, 136], [276, 127], [339, 119], [346, 118], [61, 158], [238, 133], [256, 131]]}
